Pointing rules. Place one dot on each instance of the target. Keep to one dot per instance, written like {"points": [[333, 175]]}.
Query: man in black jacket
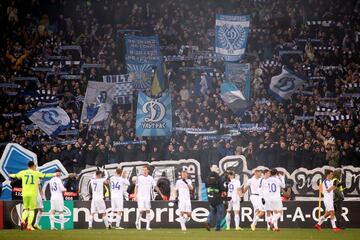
{"points": [[215, 188]]}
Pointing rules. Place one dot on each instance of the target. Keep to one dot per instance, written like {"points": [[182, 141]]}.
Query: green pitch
{"points": [[176, 234]]}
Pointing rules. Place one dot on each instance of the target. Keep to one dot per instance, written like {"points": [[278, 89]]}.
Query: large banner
{"points": [[240, 75], [171, 168], [231, 36], [297, 214], [98, 101], [140, 49], [153, 115]]}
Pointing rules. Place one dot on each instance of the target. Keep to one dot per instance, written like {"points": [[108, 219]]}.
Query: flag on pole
{"points": [[52, 120], [285, 84], [233, 97]]}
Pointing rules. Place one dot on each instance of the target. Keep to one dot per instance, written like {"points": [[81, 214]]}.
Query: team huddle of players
{"points": [[264, 190], [265, 196]]}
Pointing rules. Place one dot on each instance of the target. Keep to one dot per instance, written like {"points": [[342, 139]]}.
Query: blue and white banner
{"points": [[119, 143], [233, 97], [240, 75], [52, 120], [140, 75], [153, 115], [140, 49], [285, 84], [98, 102], [231, 36], [123, 87]]}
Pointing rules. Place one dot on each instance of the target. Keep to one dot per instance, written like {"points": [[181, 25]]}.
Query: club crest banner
{"points": [[239, 74], [153, 115], [231, 36]]}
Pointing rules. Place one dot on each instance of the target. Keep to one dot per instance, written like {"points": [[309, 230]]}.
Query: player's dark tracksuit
{"points": [[338, 202]]}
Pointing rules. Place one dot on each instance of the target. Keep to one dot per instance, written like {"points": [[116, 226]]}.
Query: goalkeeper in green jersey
{"points": [[30, 188]]}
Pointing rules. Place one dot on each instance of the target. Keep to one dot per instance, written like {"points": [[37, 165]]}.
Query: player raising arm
{"points": [[143, 189], [30, 189], [328, 191], [118, 184], [183, 187], [97, 202]]}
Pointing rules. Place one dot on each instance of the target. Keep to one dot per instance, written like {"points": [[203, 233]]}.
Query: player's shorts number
{"points": [[29, 177], [272, 187], [231, 188], [115, 185], [54, 187]]}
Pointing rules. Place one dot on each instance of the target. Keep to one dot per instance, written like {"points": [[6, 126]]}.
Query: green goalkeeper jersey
{"points": [[30, 181]]}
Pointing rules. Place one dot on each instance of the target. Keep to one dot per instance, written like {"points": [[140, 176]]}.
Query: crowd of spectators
{"points": [[32, 31]]}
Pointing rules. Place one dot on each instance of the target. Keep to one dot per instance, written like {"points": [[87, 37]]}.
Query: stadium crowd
{"points": [[34, 30]]}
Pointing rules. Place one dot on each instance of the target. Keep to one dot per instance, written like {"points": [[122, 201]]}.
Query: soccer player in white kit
{"points": [[57, 200], [253, 185], [272, 196], [328, 191], [97, 203], [183, 187], [118, 185], [39, 207], [263, 190], [235, 193], [143, 189]]}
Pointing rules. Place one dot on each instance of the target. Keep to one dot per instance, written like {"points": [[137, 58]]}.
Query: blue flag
{"points": [[231, 36], [240, 75], [52, 120], [123, 87], [153, 115], [140, 49], [285, 84], [233, 98]]}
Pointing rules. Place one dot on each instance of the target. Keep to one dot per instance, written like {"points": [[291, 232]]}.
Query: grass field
{"points": [[176, 234]]}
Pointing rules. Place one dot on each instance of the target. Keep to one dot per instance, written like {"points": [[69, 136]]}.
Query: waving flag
{"points": [[153, 115], [233, 97], [285, 84], [98, 101], [52, 120], [239, 74], [231, 35]]}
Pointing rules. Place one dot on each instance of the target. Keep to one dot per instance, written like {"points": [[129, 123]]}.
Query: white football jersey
{"points": [[145, 186], [183, 189], [233, 186], [254, 185], [97, 187], [56, 188], [328, 196], [273, 186], [118, 186]]}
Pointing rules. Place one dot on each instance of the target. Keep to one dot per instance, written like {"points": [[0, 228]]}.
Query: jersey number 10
{"points": [[272, 187]]}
